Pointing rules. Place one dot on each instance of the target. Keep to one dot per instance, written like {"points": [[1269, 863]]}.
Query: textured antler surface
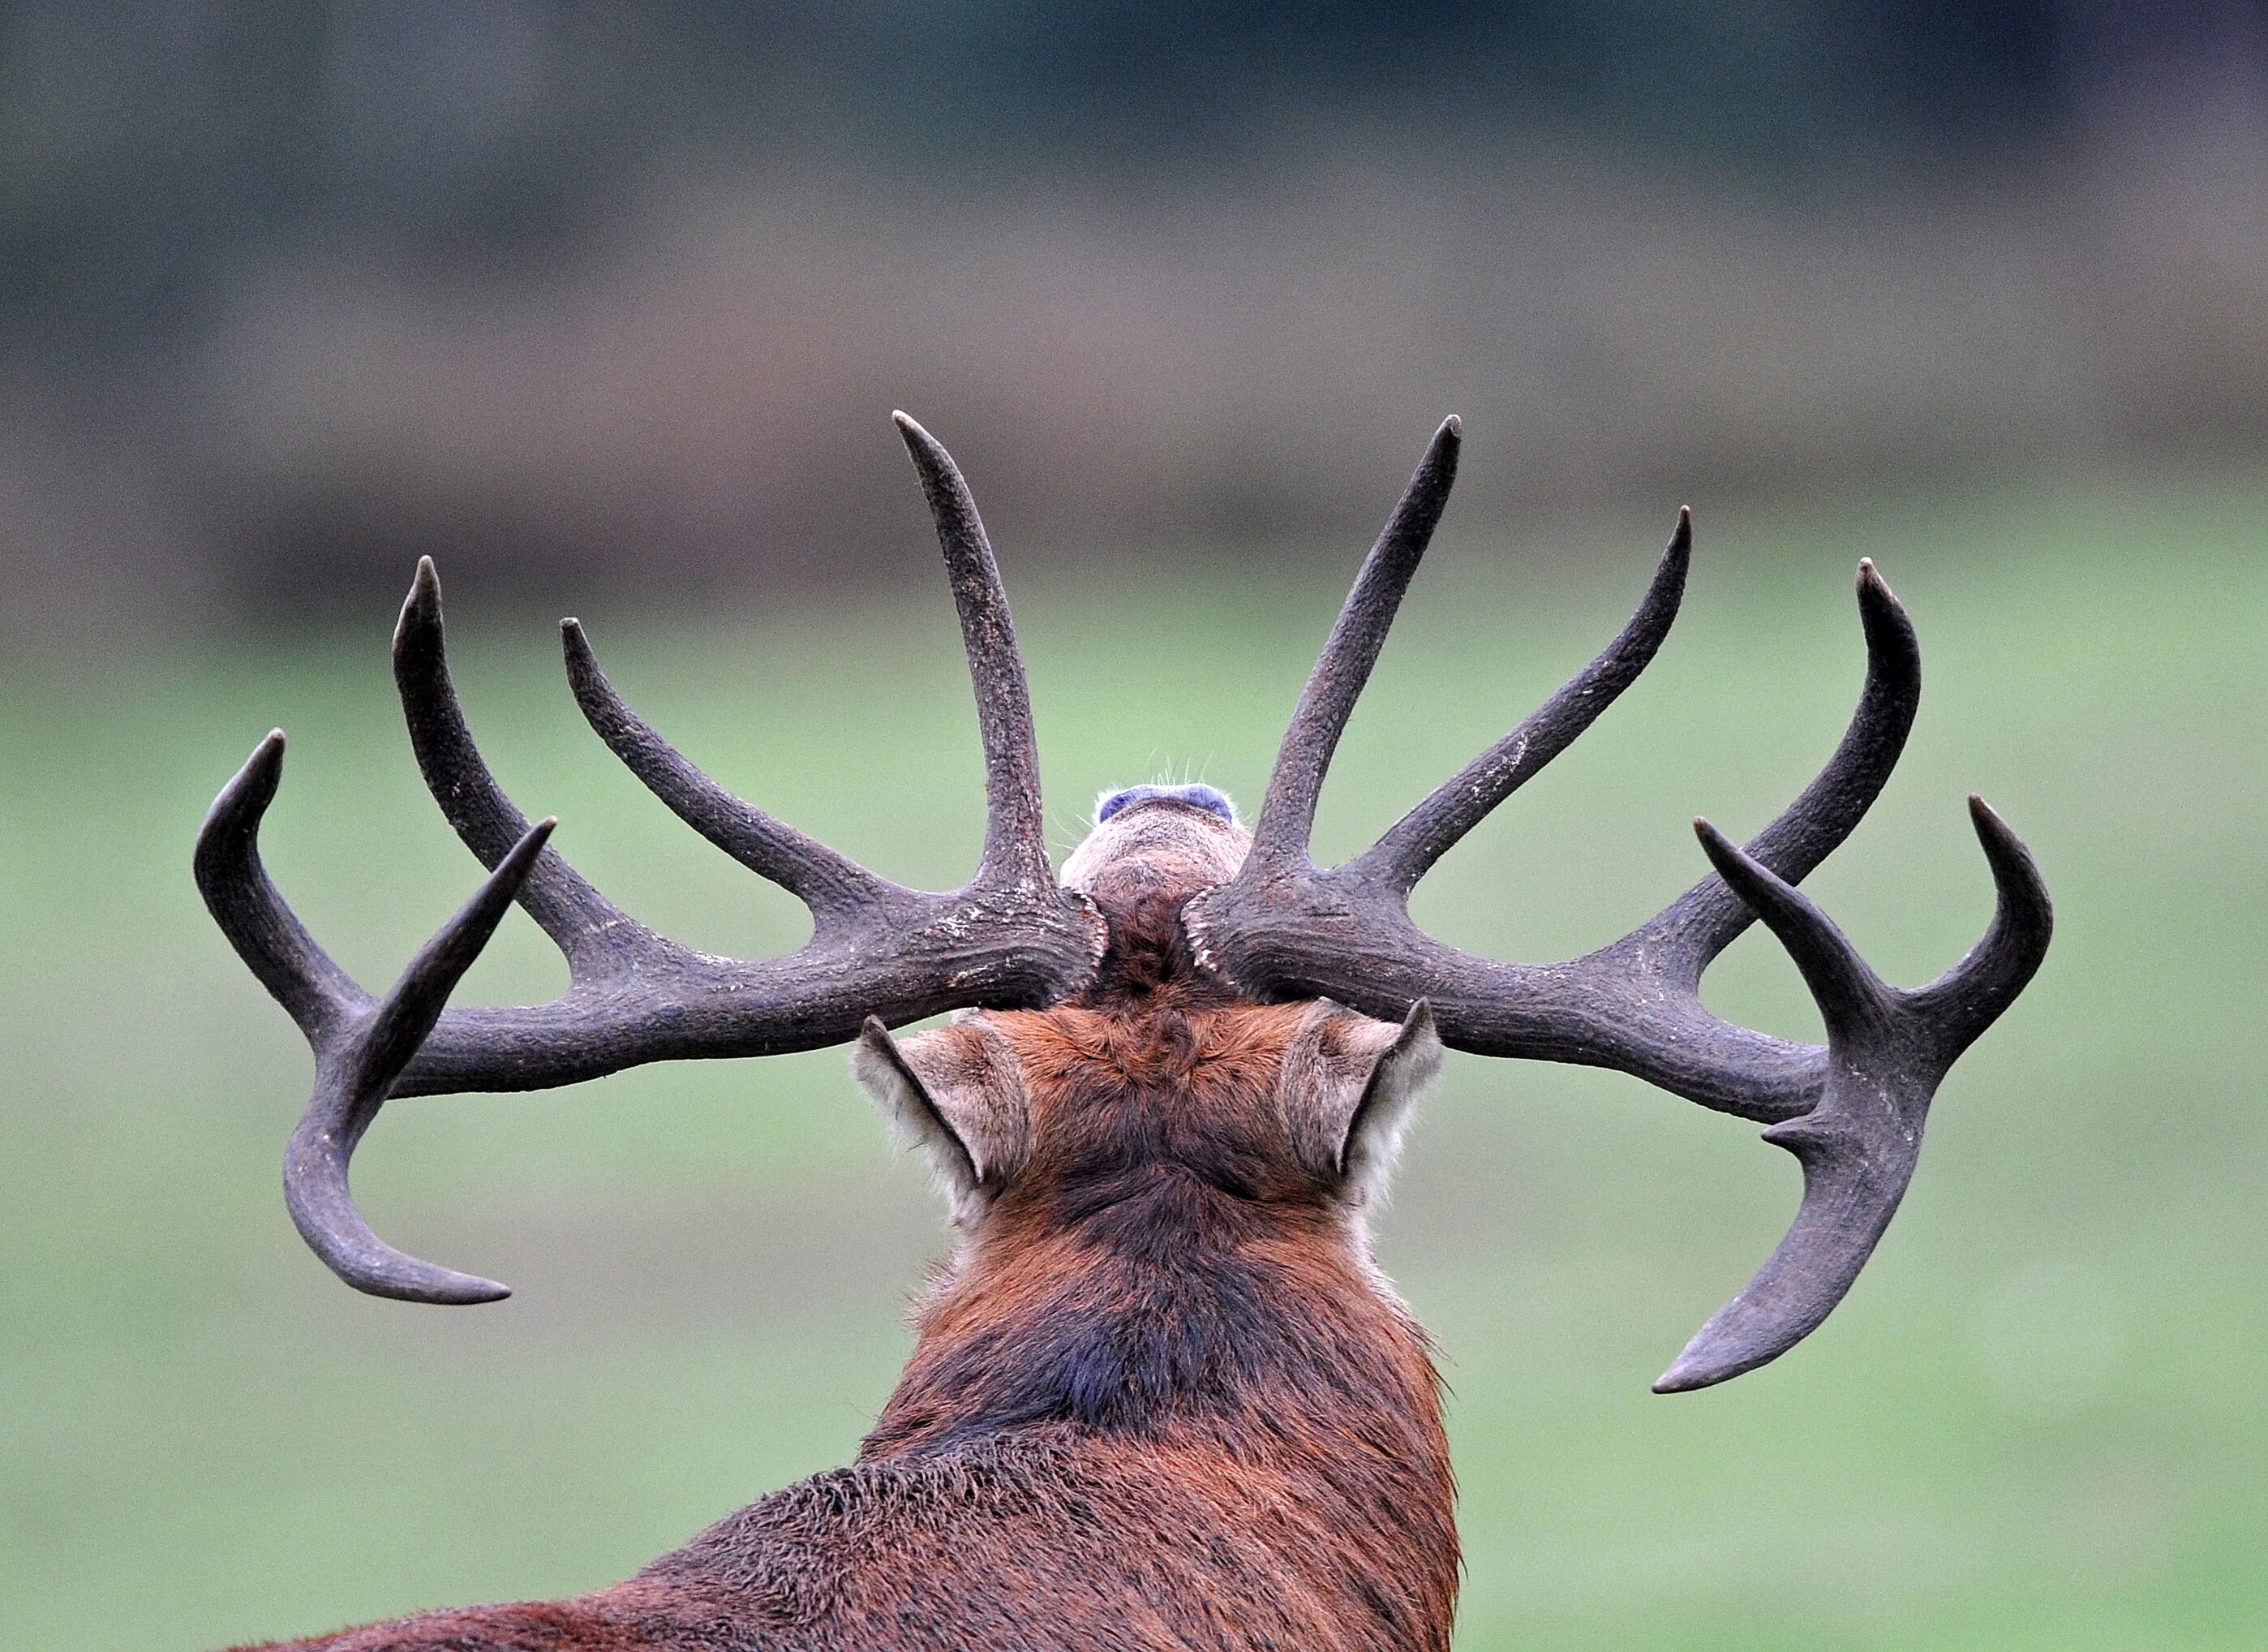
{"points": [[1852, 1110], [1009, 938]]}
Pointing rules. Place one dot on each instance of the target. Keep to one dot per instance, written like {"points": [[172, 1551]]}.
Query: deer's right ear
{"points": [[958, 1094], [1347, 1088]]}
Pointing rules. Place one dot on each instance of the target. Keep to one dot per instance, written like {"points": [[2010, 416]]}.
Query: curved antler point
{"points": [[1702, 1366], [1998, 838], [450, 1289], [265, 766], [2014, 869], [255, 783], [405, 1279], [1682, 1378], [1747, 875], [249, 791], [421, 610], [512, 869], [1453, 426]]}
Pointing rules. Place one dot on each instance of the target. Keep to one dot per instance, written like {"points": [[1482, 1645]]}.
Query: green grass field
{"points": [[2037, 1421]]}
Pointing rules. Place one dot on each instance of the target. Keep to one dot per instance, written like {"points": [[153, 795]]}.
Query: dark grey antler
{"points": [[1852, 1110], [1009, 938]]}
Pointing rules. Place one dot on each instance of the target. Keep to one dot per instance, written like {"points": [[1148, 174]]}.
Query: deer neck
{"points": [[1162, 1321]]}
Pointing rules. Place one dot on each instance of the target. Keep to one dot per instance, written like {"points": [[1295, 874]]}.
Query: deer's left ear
{"points": [[958, 1094], [1348, 1087]]}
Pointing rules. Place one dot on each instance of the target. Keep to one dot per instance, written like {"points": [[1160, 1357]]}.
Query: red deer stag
{"points": [[1161, 1398]]}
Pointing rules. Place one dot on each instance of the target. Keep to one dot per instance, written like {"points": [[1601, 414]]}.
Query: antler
{"points": [[1852, 1110], [1008, 939]]}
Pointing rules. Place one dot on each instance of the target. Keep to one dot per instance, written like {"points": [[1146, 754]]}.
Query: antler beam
{"points": [[1009, 938], [1852, 1110]]}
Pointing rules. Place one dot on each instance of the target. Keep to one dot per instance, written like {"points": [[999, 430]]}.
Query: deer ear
{"points": [[1347, 1088], [957, 1093]]}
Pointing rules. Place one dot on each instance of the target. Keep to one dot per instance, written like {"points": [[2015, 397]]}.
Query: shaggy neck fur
{"points": [[1162, 1285]]}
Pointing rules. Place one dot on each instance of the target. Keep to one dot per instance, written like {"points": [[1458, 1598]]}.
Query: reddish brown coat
{"points": [[1160, 1399]]}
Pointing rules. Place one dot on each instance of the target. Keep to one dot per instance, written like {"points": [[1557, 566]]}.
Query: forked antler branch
{"points": [[1850, 1110], [1009, 938]]}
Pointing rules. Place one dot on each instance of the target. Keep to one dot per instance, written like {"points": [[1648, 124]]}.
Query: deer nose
{"points": [[1209, 798]]}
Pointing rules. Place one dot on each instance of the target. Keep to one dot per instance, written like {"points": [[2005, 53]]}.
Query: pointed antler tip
{"points": [[576, 646], [1452, 426], [930, 456], [1994, 832], [421, 610], [1689, 1374], [391, 1275], [461, 1290], [1889, 631], [257, 780], [511, 872]]}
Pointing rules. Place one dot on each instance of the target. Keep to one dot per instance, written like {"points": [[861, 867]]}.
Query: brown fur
{"points": [[1158, 1399]]}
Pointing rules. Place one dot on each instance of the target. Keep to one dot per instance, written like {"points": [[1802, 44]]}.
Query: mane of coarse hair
{"points": [[1148, 954]]}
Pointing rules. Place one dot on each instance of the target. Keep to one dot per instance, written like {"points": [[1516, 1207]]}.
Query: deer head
{"points": [[1319, 1008]]}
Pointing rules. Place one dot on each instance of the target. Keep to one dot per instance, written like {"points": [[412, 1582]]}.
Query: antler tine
{"points": [[1428, 831], [1015, 826], [583, 923], [252, 912], [831, 884], [1972, 995], [1287, 813], [1010, 939], [1887, 1052], [1852, 1110], [1708, 918], [1843, 985], [353, 1076]]}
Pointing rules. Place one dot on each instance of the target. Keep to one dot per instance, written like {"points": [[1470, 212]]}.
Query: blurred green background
{"points": [[604, 305], [2036, 1422]]}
